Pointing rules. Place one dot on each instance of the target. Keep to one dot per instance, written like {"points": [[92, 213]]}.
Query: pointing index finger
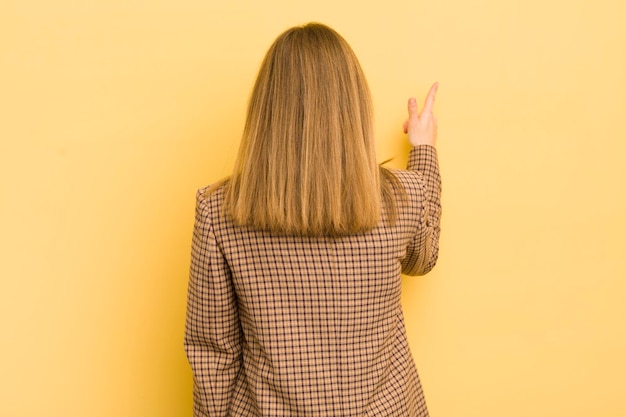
{"points": [[430, 99]]}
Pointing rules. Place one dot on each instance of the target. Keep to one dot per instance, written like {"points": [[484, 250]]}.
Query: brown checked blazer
{"points": [[309, 326]]}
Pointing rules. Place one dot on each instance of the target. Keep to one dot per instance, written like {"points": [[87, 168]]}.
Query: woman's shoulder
{"points": [[210, 198]]}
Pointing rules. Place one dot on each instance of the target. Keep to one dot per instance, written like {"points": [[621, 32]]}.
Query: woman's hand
{"points": [[422, 127]]}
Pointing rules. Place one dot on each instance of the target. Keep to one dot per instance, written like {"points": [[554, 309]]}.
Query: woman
{"points": [[294, 293]]}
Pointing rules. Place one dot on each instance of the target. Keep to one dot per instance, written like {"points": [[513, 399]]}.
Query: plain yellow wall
{"points": [[113, 112]]}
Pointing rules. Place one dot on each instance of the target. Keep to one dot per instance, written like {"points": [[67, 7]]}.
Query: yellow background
{"points": [[113, 112]]}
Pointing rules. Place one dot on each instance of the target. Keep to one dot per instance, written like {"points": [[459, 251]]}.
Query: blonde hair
{"points": [[306, 163]]}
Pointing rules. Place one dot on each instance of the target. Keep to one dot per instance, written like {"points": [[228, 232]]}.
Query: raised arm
{"points": [[421, 128]]}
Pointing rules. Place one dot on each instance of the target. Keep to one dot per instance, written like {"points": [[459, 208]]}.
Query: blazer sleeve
{"points": [[423, 249], [212, 331]]}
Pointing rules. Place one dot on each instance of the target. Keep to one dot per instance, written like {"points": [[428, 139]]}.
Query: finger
{"points": [[430, 99], [405, 126]]}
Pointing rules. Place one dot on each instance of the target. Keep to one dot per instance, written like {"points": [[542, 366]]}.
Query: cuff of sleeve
{"points": [[422, 156]]}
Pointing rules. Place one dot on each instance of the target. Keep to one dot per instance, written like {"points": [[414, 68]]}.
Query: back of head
{"points": [[306, 163]]}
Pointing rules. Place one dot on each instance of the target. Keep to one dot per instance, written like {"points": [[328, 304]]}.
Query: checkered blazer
{"points": [[309, 326]]}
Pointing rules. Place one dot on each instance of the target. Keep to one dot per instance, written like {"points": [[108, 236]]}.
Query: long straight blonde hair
{"points": [[306, 163]]}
